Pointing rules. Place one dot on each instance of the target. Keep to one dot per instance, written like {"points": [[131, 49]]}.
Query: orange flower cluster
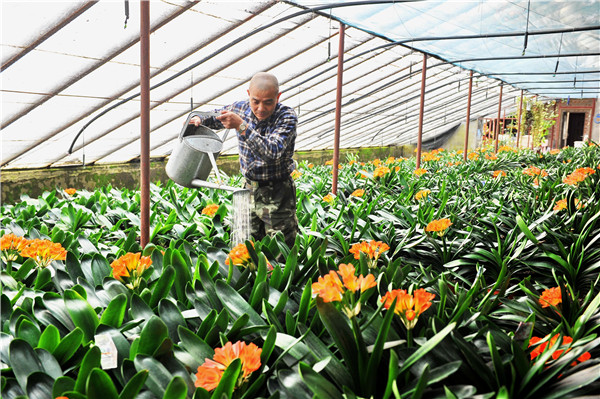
{"points": [[473, 156], [554, 151], [11, 246], [359, 192], [551, 297], [372, 249], [491, 157], [578, 176], [70, 191], [329, 198], [381, 171], [420, 171], [390, 160], [239, 256], [422, 194], [535, 171], [296, 174], [408, 307], [438, 226], [211, 371], [210, 209], [506, 148], [331, 289], [541, 347], [560, 205], [130, 268], [430, 156], [43, 252], [497, 173], [376, 162]]}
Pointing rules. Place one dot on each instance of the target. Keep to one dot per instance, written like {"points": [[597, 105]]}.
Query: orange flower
{"points": [[551, 297], [240, 256], [330, 162], [535, 171], [296, 174], [210, 209], [329, 198], [491, 157], [554, 151], [497, 173], [560, 205], [408, 307], [541, 344], [43, 252], [311, 165], [438, 226], [422, 194], [390, 160], [578, 176], [376, 162], [331, 289], [11, 245], [130, 268], [359, 192], [473, 156], [420, 171], [70, 191], [381, 171], [211, 371], [371, 249]]}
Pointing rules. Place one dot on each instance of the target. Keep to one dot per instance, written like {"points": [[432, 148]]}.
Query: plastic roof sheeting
{"points": [[65, 63]]}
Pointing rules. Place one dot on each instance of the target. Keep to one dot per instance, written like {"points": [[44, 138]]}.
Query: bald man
{"points": [[266, 132]]}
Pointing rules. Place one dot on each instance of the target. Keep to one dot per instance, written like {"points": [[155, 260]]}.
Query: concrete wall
{"points": [[33, 182]]}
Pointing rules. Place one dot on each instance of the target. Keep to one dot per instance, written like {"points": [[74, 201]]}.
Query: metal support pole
{"points": [[498, 120], [338, 109], [519, 121], [145, 122], [421, 109], [468, 117]]}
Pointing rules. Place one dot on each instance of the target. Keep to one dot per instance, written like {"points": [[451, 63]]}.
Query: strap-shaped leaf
{"points": [[100, 385], [82, 314], [319, 385], [114, 313]]}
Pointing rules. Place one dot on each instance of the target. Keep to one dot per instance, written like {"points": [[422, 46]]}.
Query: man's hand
{"points": [[230, 120], [196, 121]]}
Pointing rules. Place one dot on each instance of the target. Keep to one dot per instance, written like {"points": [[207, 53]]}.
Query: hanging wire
{"points": [[126, 13], [526, 27], [558, 58], [191, 90], [329, 39]]}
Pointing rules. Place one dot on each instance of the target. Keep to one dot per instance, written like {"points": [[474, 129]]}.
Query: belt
{"points": [[265, 183]]}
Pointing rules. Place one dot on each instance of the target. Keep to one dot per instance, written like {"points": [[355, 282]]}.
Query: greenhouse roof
{"points": [[70, 65]]}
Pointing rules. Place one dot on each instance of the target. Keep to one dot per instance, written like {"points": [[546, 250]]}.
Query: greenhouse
{"points": [[300, 199]]}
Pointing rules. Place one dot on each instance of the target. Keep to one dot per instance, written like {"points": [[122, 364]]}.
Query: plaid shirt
{"points": [[267, 147]]}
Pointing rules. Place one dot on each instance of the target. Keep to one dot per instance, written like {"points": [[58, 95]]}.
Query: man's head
{"points": [[264, 95]]}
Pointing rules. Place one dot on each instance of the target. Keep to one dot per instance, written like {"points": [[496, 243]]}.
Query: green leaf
{"points": [[29, 332], [23, 360], [82, 314], [90, 361], [134, 385], [158, 375], [68, 345], [114, 313], [228, 380], [100, 386], [428, 346], [39, 385], [525, 230], [182, 274], [177, 389], [163, 286], [393, 372], [318, 384], [62, 385], [151, 337], [236, 304]]}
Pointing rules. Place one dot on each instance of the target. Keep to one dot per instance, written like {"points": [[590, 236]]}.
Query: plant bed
{"points": [[455, 280]]}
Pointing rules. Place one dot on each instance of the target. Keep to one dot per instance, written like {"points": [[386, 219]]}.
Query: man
{"points": [[266, 132]]}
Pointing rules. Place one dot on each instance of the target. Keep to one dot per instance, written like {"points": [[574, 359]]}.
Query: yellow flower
{"points": [[330, 162], [43, 252], [130, 268], [408, 307], [359, 192], [438, 226], [560, 205], [381, 171], [210, 209], [211, 371], [329, 198], [422, 194], [420, 171], [11, 245]]}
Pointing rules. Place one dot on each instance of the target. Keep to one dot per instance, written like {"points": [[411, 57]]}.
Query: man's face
{"points": [[263, 102]]}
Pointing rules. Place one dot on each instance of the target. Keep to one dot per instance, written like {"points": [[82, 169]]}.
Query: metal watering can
{"points": [[191, 161], [195, 154]]}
